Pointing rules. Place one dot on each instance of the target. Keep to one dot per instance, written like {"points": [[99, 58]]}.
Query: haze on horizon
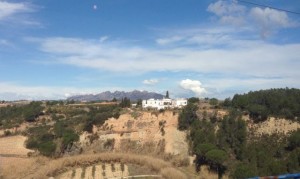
{"points": [[52, 49]]}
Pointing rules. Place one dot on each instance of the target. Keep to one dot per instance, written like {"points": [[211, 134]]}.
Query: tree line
{"points": [[283, 102]]}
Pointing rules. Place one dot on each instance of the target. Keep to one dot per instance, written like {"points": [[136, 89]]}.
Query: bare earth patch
{"points": [[13, 155], [273, 125], [147, 127]]}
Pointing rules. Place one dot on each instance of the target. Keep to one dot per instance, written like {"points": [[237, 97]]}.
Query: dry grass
{"points": [[13, 145], [55, 167]]}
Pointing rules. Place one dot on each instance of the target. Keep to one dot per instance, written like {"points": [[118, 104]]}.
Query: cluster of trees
{"points": [[51, 141], [225, 146], [125, 103], [276, 102], [13, 115], [215, 148]]}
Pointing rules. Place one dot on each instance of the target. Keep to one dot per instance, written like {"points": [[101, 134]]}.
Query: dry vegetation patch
{"points": [[55, 167]]}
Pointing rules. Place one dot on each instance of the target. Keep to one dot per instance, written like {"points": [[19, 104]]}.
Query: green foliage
{"points": [[59, 128], [41, 139], [216, 159], [125, 103], [276, 102], [31, 111], [216, 156], [193, 100], [213, 101], [232, 134], [243, 171], [69, 136], [187, 116], [227, 102], [202, 132], [230, 148], [293, 161], [11, 116], [139, 102], [258, 112], [32, 143], [47, 148], [294, 140], [266, 155], [202, 149]]}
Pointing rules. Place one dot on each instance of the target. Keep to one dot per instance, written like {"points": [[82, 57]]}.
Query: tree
{"points": [[213, 101], [243, 171], [202, 149], [294, 140], [227, 102], [32, 110], [47, 148], [232, 134], [167, 94], [193, 100], [187, 116], [69, 137], [216, 159], [125, 102], [139, 102]]}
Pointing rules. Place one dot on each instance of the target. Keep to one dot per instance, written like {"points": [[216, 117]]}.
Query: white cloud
{"points": [[103, 38], [266, 20], [229, 13], [8, 9], [12, 91], [221, 8], [270, 19], [250, 57], [194, 86], [169, 40], [150, 82]]}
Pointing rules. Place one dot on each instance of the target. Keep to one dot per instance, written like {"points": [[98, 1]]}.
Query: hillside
{"points": [[107, 95], [214, 137]]}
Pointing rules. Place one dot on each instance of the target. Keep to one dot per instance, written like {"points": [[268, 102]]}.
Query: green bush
{"points": [[47, 148], [69, 137]]}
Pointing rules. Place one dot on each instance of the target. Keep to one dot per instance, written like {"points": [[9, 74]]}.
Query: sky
{"points": [[53, 49]]}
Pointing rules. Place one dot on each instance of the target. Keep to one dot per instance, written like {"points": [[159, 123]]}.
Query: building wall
{"points": [[164, 103]]}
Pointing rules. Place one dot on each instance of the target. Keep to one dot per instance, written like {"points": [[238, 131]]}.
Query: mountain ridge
{"points": [[107, 95]]}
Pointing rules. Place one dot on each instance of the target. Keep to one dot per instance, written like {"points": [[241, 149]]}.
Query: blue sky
{"points": [[52, 49]]}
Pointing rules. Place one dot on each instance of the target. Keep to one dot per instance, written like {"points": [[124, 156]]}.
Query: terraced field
{"points": [[98, 171]]}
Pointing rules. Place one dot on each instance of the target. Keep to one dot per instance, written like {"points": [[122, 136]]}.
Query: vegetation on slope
{"points": [[12, 116], [276, 102], [226, 147], [55, 137]]}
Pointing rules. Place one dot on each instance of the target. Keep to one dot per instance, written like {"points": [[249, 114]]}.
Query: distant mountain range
{"points": [[107, 95]]}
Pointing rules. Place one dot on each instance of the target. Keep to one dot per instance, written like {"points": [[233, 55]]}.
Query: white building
{"points": [[164, 103]]}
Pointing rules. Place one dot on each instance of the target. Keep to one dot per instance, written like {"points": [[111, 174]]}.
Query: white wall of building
{"points": [[164, 103]]}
